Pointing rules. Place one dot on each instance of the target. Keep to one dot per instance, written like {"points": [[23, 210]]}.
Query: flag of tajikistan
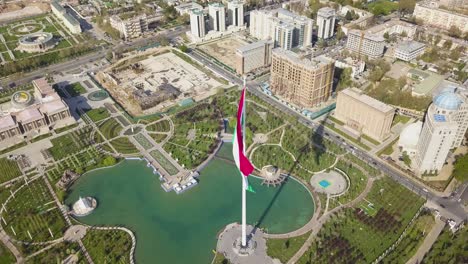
{"points": [[238, 148]]}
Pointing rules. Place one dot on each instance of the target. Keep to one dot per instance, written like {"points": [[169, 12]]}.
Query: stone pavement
{"points": [[228, 237]]}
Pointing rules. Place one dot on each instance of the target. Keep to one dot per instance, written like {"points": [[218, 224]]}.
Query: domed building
{"points": [[444, 127], [36, 42]]}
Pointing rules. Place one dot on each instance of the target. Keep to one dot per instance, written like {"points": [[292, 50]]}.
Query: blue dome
{"points": [[448, 100]]}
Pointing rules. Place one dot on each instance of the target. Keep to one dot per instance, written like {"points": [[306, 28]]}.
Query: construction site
{"points": [[156, 80], [13, 10]]}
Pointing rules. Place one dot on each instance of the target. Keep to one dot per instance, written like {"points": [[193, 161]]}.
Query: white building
{"points": [[235, 13], [197, 23], [186, 8], [217, 16], [130, 25], [408, 140], [326, 22], [365, 43], [430, 13], [253, 56], [357, 66], [444, 128], [286, 28], [409, 50], [70, 22]]}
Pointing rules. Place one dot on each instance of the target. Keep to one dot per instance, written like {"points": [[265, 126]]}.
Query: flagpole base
{"points": [[246, 250]]}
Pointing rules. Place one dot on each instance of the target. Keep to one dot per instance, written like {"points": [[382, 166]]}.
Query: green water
{"points": [[173, 228]]}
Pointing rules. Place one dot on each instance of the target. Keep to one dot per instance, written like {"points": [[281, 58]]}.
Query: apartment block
{"points": [[253, 56]]}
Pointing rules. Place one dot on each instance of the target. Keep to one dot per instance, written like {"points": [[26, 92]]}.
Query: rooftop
{"points": [[57, 6], [410, 46], [53, 107], [367, 35], [448, 100], [6, 122], [28, 115], [360, 96], [326, 12], [313, 63], [251, 46], [429, 82], [43, 86]]}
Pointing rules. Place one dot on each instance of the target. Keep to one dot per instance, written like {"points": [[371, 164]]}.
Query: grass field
{"points": [[108, 246], [17, 146], [32, 213], [400, 119], [164, 162], [98, 114], [57, 254], [161, 126], [124, 146], [75, 89], [6, 256], [10, 170], [284, 249], [158, 137], [110, 128], [143, 141], [70, 143]]}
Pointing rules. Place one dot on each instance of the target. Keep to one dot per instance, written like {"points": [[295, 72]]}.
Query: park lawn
{"points": [[17, 146], [6, 256], [410, 243], [33, 212], [108, 246], [220, 259], [124, 146], [75, 89], [143, 141], [166, 164], [388, 150], [158, 137], [70, 143], [160, 126], [357, 180], [10, 170], [400, 119], [382, 7], [110, 128], [272, 155], [284, 249], [65, 128], [57, 254], [98, 114], [41, 137], [275, 137], [3, 48]]}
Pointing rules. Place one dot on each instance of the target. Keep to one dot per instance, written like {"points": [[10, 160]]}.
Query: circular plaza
{"points": [[21, 99], [331, 182], [26, 28], [36, 42]]}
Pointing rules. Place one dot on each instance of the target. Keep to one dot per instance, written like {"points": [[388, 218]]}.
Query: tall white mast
{"points": [[244, 183]]}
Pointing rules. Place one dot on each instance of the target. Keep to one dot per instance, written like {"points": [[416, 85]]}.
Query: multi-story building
{"points": [[303, 82], [235, 13], [34, 114], [186, 8], [197, 23], [394, 26], [429, 12], [362, 114], [286, 28], [253, 56], [365, 43], [69, 21], [444, 127], [326, 22], [409, 50], [217, 17], [130, 25]]}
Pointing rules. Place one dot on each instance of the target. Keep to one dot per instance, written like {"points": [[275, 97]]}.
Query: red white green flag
{"points": [[238, 148]]}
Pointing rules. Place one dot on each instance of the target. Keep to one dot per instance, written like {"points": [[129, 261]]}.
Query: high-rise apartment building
{"points": [[326, 17], [253, 56], [197, 23], [287, 29], [301, 81], [444, 127], [217, 16], [235, 13], [362, 114], [365, 43]]}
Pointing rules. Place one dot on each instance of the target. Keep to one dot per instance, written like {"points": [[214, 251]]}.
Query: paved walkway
{"points": [[428, 242]]}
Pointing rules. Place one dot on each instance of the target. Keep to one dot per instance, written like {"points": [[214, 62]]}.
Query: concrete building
{"points": [[69, 21], [303, 82], [364, 19], [363, 114], [235, 13], [444, 128], [364, 43], [130, 25], [253, 56], [408, 140], [286, 28], [429, 12], [394, 26], [217, 17], [197, 23], [409, 50], [36, 42], [357, 66], [326, 22], [34, 114], [186, 8]]}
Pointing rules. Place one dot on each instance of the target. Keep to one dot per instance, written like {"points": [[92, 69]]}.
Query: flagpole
{"points": [[244, 183]]}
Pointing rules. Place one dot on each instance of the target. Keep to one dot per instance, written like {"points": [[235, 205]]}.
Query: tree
{"points": [[406, 6], [163, 40], [183, 19], [339, 34], [386, 36], [460, 168], [447, 44], [183, 48], [109, 161], [455, 32], [348, 16]]}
